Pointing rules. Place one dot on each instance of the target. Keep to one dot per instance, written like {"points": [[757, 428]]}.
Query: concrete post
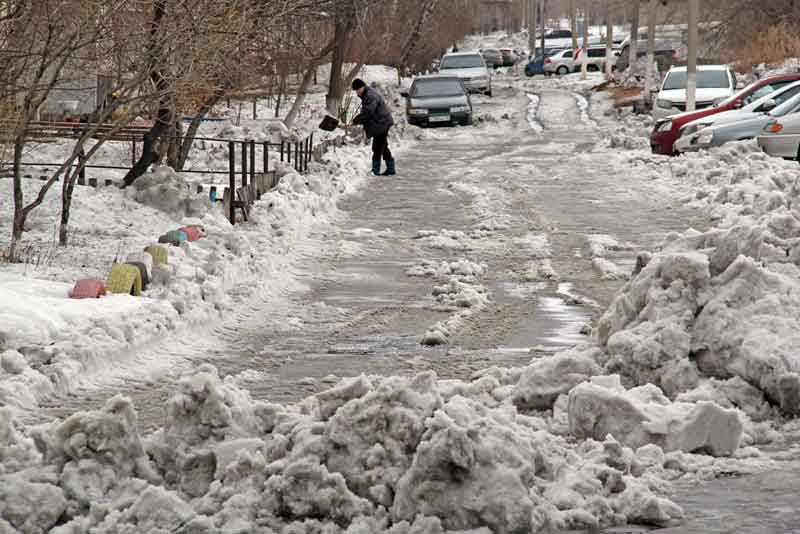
{"points": [[691, 64]]}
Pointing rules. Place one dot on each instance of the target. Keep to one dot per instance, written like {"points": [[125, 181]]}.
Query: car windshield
{"points": [[706, 79], [790, 106], [740, 94], [463, 62], [430, 88]]}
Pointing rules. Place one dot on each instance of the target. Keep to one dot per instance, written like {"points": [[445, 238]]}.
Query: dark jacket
{"points": [[375, 115]]}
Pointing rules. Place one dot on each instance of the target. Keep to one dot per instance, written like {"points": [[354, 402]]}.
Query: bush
{"points": [[772, 46]]}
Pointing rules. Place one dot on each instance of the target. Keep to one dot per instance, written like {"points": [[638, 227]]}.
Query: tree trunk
{"points": [[19, 212], [174, 139], [413, 38], [633, 47], [541, 16], [652, 14], [573, 24], [164, 118], [586, 21], [66, 204], [191, 131], [300, 97], [533, 22], [335, 85]]}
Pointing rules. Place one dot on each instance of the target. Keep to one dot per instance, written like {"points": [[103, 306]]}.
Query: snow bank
{"points": [[643, 415], [373, 455], [722, 303], [66, 343]]}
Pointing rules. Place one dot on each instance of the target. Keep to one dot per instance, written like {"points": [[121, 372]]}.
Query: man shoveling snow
{"points": [[377, 120]]}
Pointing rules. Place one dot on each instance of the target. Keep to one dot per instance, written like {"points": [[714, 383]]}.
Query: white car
{"points": [[471, 68], [714, 83], [781, 137], [559, 63], [595, 58]]}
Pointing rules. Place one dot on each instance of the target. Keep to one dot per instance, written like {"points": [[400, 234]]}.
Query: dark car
{"points": [[433, 100], [666, 131]]}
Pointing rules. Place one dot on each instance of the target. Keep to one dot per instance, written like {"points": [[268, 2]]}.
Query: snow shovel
{"points": [[329, 123]]}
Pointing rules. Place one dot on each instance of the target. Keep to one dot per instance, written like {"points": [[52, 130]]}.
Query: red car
{"points": [[665, 132]]}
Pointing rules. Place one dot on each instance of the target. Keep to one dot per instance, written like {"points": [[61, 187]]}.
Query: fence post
{"points": [[296, 156], [232, 179], [266, 157], [133, 151], [281, 151], [244, 164], [252, 162], [82, 171]]}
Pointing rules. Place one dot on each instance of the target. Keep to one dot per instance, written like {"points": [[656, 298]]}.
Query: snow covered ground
{"points": [[691, 369]]}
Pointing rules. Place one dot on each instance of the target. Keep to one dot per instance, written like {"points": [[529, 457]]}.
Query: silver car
{"points": [[560, 63], [471, 68], [735, 125], [781, 137]]}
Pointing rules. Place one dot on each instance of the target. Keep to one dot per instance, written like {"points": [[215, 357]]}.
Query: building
{"points": [[496, 15]]}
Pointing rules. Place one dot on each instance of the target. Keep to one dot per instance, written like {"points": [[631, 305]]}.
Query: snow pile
{"points": [[643, 415], [723, 303], [599, 246], [461, 293], [166, 190], [65, 343], [460, 268], [457, 294], [372, 455]]}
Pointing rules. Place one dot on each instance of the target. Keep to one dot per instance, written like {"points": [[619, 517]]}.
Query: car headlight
{"points": [[705, 138], [665, 126], [664, 104], [689, 130], [417, 111], [459, 109]]}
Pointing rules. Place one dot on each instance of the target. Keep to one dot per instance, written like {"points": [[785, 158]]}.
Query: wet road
{"points": [[521, 202]]}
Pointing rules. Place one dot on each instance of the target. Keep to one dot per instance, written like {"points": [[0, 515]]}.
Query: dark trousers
{"points": [[380, 147]]}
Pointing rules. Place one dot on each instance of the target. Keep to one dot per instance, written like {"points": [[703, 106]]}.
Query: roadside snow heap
{"points": [[722, 304], [394, 455]]}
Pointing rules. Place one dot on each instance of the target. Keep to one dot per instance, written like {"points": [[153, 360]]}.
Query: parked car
{"points": [[559, 63], [536, 65], [665, 54], [438, 100], [509, 57], [781, 136], [493, 57], [736, 124], [666, 131], [747, 128], [471, 68], [714, 84], [594, 57]]}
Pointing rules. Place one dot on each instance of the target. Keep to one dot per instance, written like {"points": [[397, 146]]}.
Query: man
{"points": [[377, 120]]}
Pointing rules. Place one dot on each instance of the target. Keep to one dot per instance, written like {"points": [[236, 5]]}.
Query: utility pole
{"points": [[609, 40], [691, 64], [651, 48]]}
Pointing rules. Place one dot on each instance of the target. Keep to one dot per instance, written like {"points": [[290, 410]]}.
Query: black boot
{"points": [[376, 167], [390, 170]]}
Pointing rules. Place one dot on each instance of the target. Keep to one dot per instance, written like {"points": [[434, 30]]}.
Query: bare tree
{"points": [[633, 47]]}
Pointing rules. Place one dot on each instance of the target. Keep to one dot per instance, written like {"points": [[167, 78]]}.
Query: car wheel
{"points": [[592, 68], [488, 93], [562, 70]]}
